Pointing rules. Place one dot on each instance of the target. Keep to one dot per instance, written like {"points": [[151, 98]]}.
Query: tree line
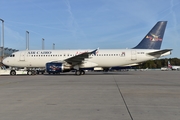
{"points": [[152, 64]]}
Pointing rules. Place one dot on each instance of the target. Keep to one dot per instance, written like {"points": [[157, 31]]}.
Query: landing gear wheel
{"points": [[13, 72], [78, 72], [33, 72], [82, 72], [29, 72]]}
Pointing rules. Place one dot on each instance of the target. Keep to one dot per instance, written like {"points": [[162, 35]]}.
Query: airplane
{"points": [[57, 61], [172, 67]]}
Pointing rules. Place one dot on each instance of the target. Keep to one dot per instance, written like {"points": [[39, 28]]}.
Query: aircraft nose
{"points": [[5, 61]]}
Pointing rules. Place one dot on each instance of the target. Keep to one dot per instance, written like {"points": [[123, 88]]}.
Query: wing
{"points": [[78, 59]]}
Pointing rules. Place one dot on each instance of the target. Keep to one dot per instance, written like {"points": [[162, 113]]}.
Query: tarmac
{"points": [[133, 95]]}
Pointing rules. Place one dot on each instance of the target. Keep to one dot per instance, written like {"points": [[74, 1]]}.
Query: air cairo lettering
{"points": [[39, 52]]}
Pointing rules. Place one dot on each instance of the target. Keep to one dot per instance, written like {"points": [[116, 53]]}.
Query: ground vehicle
{"points": [[5, 71]]}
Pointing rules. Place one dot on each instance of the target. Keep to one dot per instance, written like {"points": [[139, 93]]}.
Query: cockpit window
{"points": [[13, 55]]}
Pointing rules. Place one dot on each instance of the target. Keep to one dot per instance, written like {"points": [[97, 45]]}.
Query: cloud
{"points": [[174, 21], [73, 24]]}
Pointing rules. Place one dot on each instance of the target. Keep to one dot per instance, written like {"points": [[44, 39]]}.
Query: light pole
{"points": [[27, 40], [42, 43], [2, 42]]}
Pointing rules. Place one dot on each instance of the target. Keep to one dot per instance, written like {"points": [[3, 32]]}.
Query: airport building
{"points": [[7, 52]]}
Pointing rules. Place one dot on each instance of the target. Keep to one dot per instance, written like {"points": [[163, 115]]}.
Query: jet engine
{"points": [[57, 67]]}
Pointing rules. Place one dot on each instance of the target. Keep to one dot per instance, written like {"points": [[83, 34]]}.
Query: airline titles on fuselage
{"points": [[49, 52], [122, 54], [39, 52]]}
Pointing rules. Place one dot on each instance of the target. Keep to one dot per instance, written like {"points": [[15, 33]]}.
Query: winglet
{"points": [[94, 51]]}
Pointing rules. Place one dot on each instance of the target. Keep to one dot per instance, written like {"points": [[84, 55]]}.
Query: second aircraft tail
{"points": [[169, 65]]}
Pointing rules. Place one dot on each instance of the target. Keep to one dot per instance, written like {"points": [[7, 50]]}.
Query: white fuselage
{"points": [[103, 58], [175, 67]]}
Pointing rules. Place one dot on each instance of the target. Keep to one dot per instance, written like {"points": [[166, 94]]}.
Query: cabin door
{"points": [[133, 55], [22, 56]]}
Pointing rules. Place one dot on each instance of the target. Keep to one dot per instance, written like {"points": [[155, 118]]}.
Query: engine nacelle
{"points": [[56, 67]]}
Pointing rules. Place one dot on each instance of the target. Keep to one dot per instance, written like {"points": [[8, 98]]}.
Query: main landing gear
{"points": [[79, 72], [31, 72]]}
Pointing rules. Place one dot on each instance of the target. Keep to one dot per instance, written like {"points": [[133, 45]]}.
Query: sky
{"points": [[88, 24]]}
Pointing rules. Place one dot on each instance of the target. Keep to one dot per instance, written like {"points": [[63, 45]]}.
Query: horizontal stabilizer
{"points": [[160, 52]]}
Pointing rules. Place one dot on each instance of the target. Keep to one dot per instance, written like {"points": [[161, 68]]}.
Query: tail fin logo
{"points": [[154, 37]]}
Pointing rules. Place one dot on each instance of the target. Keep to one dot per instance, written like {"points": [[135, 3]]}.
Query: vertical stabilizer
{"points": [[169, 65], [154, 38]]}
